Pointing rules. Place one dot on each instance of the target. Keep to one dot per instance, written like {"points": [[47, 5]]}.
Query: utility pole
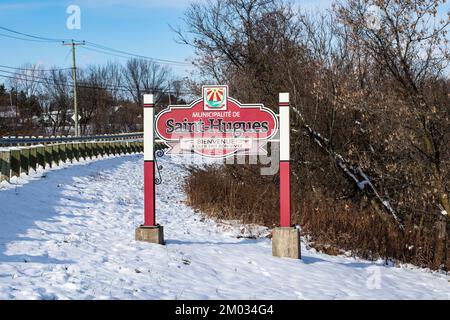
{"points": [[11, 108], [170, 99], [74, 43]]}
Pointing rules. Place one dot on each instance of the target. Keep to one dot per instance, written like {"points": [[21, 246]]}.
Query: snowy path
{"points": [[70, 235]]}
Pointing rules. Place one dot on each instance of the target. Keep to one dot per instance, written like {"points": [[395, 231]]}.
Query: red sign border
{"points": [[261, 107]]}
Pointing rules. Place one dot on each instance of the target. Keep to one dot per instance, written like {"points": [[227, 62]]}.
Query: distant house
{"points": [[51, 116], [9, 112], [8, 118]]}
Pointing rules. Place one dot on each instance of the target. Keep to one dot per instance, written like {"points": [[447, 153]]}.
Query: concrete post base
{"points": [[154, 234], [286, 243]]}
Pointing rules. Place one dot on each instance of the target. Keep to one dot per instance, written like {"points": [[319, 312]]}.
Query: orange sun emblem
{"points": [[215, 97]]}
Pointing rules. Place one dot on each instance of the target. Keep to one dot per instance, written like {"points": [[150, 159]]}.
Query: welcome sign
{"points": [[216, 125]]}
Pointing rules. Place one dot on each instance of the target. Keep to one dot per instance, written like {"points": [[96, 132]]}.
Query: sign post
{"points": [[285, 239], [285, 205], [149, 231], [218, 126]]}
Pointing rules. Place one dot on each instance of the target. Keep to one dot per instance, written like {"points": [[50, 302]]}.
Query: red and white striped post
{"points": [[149, 163], [149, 231], [285, 239], [285, 188]]}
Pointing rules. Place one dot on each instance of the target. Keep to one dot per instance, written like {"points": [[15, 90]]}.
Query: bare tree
{"points": [[95, 99], [57, 90], [407, 40], [144, 76]]}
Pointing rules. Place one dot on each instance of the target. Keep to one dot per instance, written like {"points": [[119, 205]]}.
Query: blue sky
{"points": [[138, 26]]}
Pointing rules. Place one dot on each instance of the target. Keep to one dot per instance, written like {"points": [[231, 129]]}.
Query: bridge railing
{"points": [[19, 155], [26, 140]]}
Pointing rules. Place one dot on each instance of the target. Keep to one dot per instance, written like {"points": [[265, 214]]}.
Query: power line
{"points": [[128, 57], [94, 46], [108, 86], [104, 52], [164, 61], [18, 38], [16, 78], [32, 36], [37, 69], [24, 77], [21, 75], [48, 81]]}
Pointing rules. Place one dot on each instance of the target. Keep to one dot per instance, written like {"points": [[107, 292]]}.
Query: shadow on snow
{"points": [[41, 199]]}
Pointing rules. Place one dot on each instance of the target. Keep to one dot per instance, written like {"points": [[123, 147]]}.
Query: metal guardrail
{"points": [[17, 160], [14, 141]]}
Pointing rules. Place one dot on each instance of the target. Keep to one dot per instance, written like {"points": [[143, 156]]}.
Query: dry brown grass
{"points": [[333, 226]]}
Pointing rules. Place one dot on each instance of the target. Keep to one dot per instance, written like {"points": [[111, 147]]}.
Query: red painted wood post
{"points": [[285, 193], [149, 164]]}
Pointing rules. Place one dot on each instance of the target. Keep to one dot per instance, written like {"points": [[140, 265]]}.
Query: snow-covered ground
{"points": [[69, 234]]}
